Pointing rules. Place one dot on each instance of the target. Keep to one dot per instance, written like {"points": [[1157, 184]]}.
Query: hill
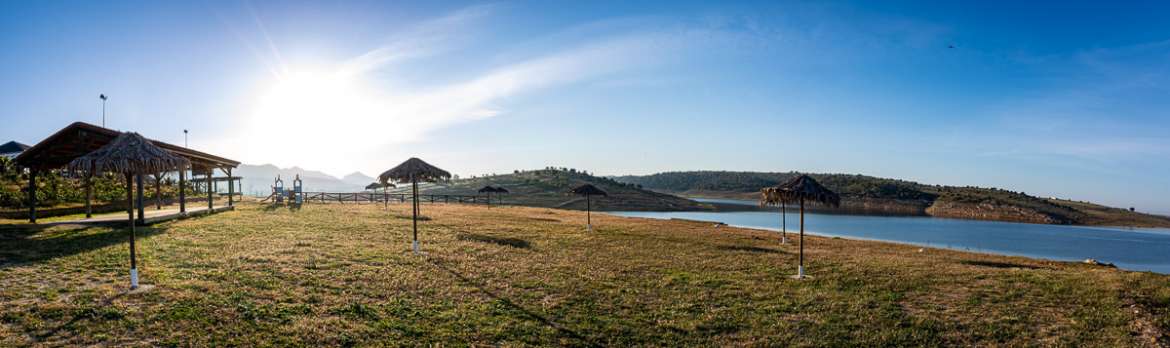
{"points": [[550, 187], [863, 194]]}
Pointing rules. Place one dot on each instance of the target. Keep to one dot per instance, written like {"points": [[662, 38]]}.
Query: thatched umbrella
{"points": [[801, 189], [129, 154], [488, 190], [414, 170], [768, 197], [588, 190], [385, 187], [499, 190]]}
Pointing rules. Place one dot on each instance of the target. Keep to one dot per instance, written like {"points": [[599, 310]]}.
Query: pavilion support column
{"points": [[210, 192], [231, 188], [158, 192], [141, 205], [32, 196], [182, 190], [88, 194]]}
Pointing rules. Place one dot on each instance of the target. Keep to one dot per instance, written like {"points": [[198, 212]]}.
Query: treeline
{"points": [[847, 185], [59, 187]]}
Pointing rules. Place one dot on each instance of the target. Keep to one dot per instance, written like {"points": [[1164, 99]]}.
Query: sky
{"points": [[1064, 99]]}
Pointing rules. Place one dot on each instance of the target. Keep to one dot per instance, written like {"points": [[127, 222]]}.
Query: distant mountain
{"points": [[863, 194], [258, 179], [357, 178]]}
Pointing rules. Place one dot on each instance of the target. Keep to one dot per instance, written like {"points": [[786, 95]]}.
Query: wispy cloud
{"points": [[352, 106]]}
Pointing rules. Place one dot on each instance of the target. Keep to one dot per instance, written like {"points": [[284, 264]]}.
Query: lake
{"points": [[1139, 249]]}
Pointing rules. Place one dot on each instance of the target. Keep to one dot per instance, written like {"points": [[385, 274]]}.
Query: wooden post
{"points": [[157, 191], [32, 196], [88, 194], [800, 269], [783, 223], [414, 189], [210, 191], [231, 188], [182, 190], [130, 211], [588, 212], [141, 206]]}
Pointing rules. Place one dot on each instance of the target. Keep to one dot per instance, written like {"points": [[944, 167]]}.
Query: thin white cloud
{"points": [[348, 108]]}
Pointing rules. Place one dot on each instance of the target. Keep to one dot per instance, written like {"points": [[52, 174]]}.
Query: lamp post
{"points": [[185, 138], [103, 97]]}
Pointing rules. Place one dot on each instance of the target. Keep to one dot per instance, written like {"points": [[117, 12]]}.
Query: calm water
{"points": [[1133, 249]]}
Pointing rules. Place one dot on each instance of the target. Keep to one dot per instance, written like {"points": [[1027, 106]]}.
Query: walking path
{"points": [[151, 216]]}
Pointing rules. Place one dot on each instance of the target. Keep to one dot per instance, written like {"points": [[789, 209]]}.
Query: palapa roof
{"points": [[128, 153], [802, 187], [495, 189], [416, 169], [80, 138], [12, 146], [588, 189]]}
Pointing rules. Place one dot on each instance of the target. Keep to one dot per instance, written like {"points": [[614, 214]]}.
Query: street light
{"points": [[185, 138], [103, 96]]}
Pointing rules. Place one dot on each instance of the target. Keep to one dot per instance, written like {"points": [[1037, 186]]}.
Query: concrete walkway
{"points": [[152, 216]]}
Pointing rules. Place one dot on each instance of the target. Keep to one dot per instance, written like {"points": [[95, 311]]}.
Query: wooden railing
{"points": [[369, 197]]}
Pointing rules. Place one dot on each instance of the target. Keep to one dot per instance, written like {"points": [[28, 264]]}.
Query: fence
{"points": [[371, 197]]}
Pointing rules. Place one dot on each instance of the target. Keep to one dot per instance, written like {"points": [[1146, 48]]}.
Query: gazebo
{"points": [[80, 138], [799, 190]]}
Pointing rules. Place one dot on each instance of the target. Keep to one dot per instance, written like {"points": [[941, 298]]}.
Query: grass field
{"points": [[342, 275]]}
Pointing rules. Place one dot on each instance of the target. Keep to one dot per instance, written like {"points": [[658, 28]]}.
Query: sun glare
{"points": [[307, 107]]}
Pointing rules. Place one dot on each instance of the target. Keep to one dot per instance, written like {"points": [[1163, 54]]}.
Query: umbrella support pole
{"points": [[783, 224]]}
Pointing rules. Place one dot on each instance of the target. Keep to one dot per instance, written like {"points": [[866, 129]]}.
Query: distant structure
{"points": [[11, 149]]}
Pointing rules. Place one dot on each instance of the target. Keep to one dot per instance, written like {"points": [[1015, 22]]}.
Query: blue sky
{"points": [[1051, 98]]}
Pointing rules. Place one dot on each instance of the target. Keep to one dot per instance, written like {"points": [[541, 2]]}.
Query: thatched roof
{"points": [[588, 189], [12, 147], [128, 153], [801, 187], [493, 189], [416, 169]]}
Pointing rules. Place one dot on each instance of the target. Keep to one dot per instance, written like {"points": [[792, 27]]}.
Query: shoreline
{"points": [[911, 243]]}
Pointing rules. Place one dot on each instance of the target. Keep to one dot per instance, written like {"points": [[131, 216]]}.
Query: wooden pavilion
{"points": [[80, 138]]}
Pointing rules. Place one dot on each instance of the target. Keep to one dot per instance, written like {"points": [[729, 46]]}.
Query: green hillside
{"points": [[873, 195], [549, 188]]}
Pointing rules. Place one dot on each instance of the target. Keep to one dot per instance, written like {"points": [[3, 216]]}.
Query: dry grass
{"points": [[341, 275]]}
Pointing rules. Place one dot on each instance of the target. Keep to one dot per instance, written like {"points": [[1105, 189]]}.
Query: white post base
{"points": [[589, 228], [416, 247], [133, 278], [783, 239], [800, 271]]}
